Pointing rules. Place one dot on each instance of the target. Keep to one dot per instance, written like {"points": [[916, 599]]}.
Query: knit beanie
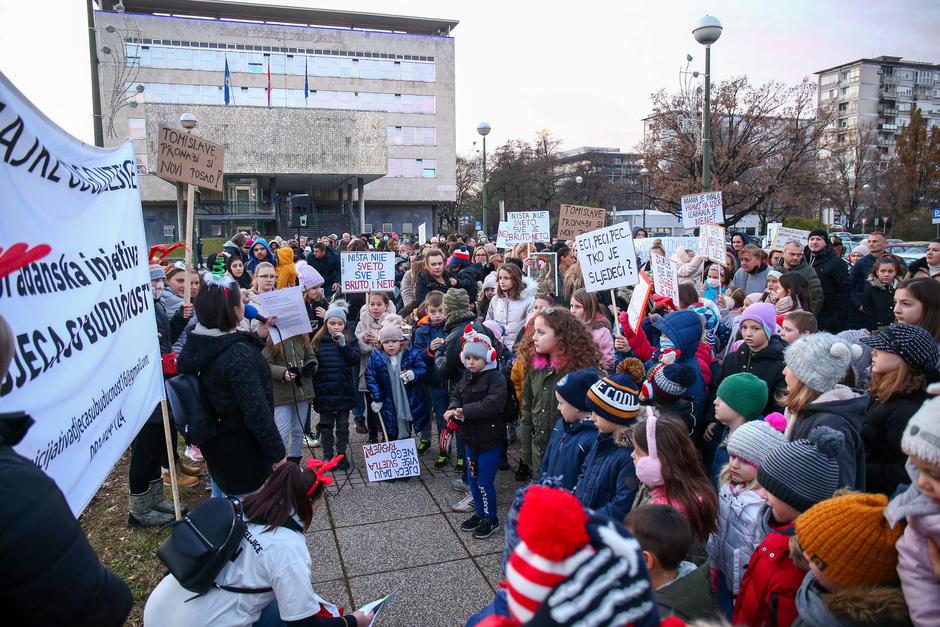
{"points": [[173, 269], [861, 365], [821, 233], [773, 272], [615, 398], [804, 472], [850, 541], [309, 277], [338, 309], [667, 383], [754, 440], [763, 314], [456, 299], [574, 386], [490, 249], [921, 437], [862, 249], [912, 343], [820, 360], [744, 393], [391, 329], [489, 283], [156, 272], [477, 345], [462, 254]]}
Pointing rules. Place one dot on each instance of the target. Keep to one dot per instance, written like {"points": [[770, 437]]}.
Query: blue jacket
{"points": [[252, 264], [380, 387], [337, 376], [568, 446], [424, 334], [608, 482], [684, 329]]}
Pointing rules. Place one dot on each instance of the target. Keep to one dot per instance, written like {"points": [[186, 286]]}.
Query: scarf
{"points": [[399, 395]]}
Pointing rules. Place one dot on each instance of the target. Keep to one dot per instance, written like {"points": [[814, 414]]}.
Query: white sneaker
{"points": [[311, 441], [460, 485], [464, 505], [193, 453]]}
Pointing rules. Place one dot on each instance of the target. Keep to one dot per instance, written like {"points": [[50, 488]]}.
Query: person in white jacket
{"points": [[512, 303]]}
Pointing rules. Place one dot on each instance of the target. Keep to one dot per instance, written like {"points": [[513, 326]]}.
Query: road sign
{"points": [[936, 215]]}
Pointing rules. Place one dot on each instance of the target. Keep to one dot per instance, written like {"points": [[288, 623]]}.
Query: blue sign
{"points": [[936, 215], [479, 225]]}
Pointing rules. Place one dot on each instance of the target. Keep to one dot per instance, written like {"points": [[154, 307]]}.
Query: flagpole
{"points": [[306, 82], [269, 82]]}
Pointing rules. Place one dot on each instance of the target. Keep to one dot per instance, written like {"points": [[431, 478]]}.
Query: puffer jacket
{"points": [[368, 323], [567, 449], [739, 532], [604, 339], [296, 354], [878, 303], [844, 410], [511, 313], [482, 395], [833, 276], [447, 356], [815, 287], [766, 364], [881, 433], [879, 606], [607, 483], [334, 385], [768, 589], [539, 409], [424, 334], [380, 387]]}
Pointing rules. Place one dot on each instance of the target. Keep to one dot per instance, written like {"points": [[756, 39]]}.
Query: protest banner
{"points": [[186, 158], [699, 209], [665, 277], [288, 305], [86, 363], [544, 270], [711, 242], [784, 235], [528, 226], [502, 232], [636, 310], [607, 257], [423, 233], [669, 244], [573, 220], [367, 272], [391, 460]]}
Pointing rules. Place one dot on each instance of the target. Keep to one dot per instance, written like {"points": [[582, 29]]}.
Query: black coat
{"points": [[877, 304], [482, 395], [237, 384], [328, 267], [833, 275], [766, 364], [49, 574], [881, 433], [424, 285], [846, 416], [337, 377], [447, 357]]}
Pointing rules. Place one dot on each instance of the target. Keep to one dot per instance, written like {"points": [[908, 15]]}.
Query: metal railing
{"points": [[235, 208]]}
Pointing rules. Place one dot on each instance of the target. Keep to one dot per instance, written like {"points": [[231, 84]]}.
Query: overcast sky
{"points": [[585, 72]]}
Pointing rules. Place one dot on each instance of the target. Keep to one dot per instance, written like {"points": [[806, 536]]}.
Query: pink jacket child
{"points": [[920, 505], [600, 330]]}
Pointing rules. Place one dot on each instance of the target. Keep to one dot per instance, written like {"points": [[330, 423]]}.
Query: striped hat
{"points": [[754, 440], [804, 472], [616, 398]]}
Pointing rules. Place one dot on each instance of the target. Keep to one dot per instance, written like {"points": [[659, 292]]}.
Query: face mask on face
{"points": [[714, 282]]}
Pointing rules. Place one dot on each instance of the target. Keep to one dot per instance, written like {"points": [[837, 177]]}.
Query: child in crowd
{"points": [[713, 287], [284, 268], [478, 404], [335, 382], [795, 476], [668, 466], [771, 294], [311, 283], [917, 301], [760, 352], [486, 294], [585, 307], [740, 398], [378, 306], [393, 376], [740, 503], [792, 293], [513, 302], [796, 324], [682, 589], [878, 295], [428, 335], [575, 433], [293, 364], [608, 482]]}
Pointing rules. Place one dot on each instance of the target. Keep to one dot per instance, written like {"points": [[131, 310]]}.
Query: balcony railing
{"points": [[235, 208]]}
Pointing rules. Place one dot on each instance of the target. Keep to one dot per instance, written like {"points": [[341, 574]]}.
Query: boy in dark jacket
{"points": [[428, 335], [574, 433]]}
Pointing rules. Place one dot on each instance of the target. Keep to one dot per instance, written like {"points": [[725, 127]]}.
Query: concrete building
{"points": [[345, 118], [613, 176]]}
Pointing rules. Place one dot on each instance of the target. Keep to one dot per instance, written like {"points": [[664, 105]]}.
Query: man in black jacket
{"points": [[325, 260], [833, 277]]}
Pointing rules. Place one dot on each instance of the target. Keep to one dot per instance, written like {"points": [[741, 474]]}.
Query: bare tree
{"points": [[468, 194], [846, 170]]}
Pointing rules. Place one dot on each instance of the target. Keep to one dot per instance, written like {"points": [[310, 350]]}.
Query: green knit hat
{"points": [[456, 299], [745, 394]]}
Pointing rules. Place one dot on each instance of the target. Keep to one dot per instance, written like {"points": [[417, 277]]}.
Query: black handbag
{"points": [[191, 412]]}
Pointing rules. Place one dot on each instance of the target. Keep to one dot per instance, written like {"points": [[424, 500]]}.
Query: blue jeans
{"points": [[216, 491], [482, 475], [438, 399]]}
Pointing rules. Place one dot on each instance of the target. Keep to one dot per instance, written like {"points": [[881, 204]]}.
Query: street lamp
{"points": [[644, 172], [188, 121], [707, 31], [484, 129]]}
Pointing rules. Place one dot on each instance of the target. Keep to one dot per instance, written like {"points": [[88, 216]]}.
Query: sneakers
{"points": [[423, 446], [442, 461], [458, 465], [183, 480], [471, 523], [464, 505], [311, 440], [485, 529], [460, 485], [194, 454]]}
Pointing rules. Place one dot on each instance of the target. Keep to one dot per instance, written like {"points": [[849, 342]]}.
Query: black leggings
{"points": [[372, 419], [148, 453]]}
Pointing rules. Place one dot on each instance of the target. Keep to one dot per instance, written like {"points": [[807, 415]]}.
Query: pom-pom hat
{"points": [[820, 360], [754, 440], [921, 437], [391, 329], [616, 398], [338, 309]]}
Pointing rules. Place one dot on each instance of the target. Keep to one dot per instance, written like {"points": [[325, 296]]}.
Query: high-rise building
{"points": [[613, 175], [333, 115]]}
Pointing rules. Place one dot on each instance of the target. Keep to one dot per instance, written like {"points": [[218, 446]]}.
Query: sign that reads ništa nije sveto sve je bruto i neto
{"points": [[367, 272]]}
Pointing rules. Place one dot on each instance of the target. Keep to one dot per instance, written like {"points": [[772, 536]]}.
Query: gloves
{"points": [[342, 340], [376, 407], [408, 376]]}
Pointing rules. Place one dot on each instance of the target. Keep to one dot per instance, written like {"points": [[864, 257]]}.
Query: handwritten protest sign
{"points": [[699, 209], [607, 257], [784, 235], [666, 277], [423, 233], [669, 244], [711, 242], [528, 226], [367, 272], [502, 232], [187, 158], [573, 220], [636, 310], [391, 460]]}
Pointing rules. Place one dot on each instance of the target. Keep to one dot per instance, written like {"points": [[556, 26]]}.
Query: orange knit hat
{"points": [[850, 541]]}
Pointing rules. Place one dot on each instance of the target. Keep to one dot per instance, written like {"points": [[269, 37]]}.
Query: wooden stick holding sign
{"points": [[171, 457], [188, 252], [613, 308]]}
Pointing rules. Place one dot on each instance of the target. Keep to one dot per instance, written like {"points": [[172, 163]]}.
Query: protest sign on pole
{"points": [[573, 220], [699, 209], [528, 226], [544, 270], [665, 277], [86, 364], [422, 233], [367, 272], [188, 158], [636, 310], [394, 459], [784, 235], [711, 242], [607, 257], [502, 232]]}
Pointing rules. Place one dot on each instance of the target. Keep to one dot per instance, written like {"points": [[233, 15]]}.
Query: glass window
{"points": [[429, 173], [183, 59], [430, 136], [136, 128], [278, 63]]}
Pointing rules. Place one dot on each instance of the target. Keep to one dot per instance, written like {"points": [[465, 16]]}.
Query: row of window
{"points": [[227, 46], [258, 97], [412, 136], [397, 168], [293, 64]]}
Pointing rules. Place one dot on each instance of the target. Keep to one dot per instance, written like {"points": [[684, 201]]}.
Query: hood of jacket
{"points": [[880, 605], [272, 258], [684, 329], [530, 288], [202, 348], [876, 283], [842, 401]]}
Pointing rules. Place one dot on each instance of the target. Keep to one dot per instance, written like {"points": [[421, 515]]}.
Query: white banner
{"points": [[665, 277], [607, 258], [699, 209], [367, 272], [86, 364], [669, 244], [528, 226]]}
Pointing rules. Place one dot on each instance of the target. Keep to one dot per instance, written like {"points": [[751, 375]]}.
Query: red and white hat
{"points": [[477, 345], [462, 254]]}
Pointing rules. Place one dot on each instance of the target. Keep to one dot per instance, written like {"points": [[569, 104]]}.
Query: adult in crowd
{"points": [[49, 574], [325, 260], [435, 279], [236, 246], [751, 276], [928, 266], [861, 270], [738, 242], [344, 242], [826, 260], [260, 252], [837, 246], [792, 261], [639, 233], [567, 259]]}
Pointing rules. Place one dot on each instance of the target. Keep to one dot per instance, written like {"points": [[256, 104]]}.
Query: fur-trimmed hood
{"points": [[876, 283], [883, 606]]}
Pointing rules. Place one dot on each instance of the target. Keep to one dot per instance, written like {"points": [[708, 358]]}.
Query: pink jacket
{"points": [[921, 587], [605, 344]]}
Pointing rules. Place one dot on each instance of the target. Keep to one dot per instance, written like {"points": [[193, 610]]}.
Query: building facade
{"points": [[610, 177], [331, 120]]}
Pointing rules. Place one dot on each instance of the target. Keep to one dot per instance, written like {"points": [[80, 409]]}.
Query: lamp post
{"points": [[707, 31], [644, 173], [484, 129]]}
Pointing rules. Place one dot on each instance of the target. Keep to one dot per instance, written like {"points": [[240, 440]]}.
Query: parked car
{"points": [[843, 235], [896, 241], [912, 252]]}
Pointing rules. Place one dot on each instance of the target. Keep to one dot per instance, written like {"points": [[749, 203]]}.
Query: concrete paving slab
{"points": [[325, 556], [493, 544], [335, 592], [381, 501], [492, 567]]}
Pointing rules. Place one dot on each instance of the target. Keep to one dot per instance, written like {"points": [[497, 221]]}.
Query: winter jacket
{"points": [[252, 264], [335, 382], [368, 323], [859, 276], [567, 449], [684, 329], [294, 355], [607, 483], [329, 269], [844, 410], [539, 408], [879, 606], [380, 387], [425, 284], [739, 532], [170, 301], [472, 275], [236, 381], [407, 288], [604, 340], [688, 596], [447, 356], [482, 395], [881, 434], [812, 279], [766, 364], [691, 272], [750, 282], [49, 574], [425, 333], [878, 303], [833, 276], [920, 270], [768, 590], [512, 313]]}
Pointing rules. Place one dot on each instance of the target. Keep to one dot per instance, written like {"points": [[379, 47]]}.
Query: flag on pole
{"points": [[269, 82], [306, 82], [228, 83]]}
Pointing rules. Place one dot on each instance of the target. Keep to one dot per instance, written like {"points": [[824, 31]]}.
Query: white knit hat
{"points": [[820, 360], [921, 437]]}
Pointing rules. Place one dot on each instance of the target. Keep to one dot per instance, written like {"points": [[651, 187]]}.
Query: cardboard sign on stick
{"points": [[699, 209], [573, 220], [188, 158], [784, 235], [636, 310], [367, 272], [607, 257], [711, 242], [502, 232], [666, 277]]}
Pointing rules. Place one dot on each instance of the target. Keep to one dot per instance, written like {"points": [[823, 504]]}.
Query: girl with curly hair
{"points": [[559, 344]]}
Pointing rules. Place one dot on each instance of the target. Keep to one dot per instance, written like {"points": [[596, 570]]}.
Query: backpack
{"points": [[511, 409], [191, 412]]}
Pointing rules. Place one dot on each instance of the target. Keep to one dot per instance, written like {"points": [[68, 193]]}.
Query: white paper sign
{"points": [[86, 362], [423, 233], [528, 226], [502, 232], [391, 460], [699, 209], [367, 272], [666, 277], [669, 244], [288, 305], [636, 310], [784, 235], [711, 242], [607, 257]]}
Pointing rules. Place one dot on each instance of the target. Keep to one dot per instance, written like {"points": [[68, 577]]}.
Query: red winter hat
{"points": [[462, 254]]}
